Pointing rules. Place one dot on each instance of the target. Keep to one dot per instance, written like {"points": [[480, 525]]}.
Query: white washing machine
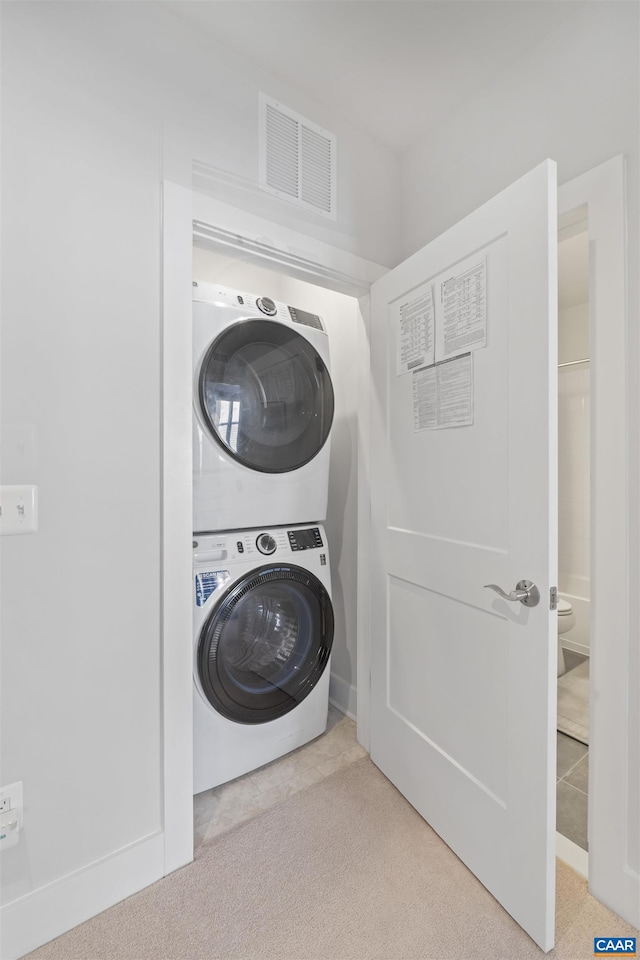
{"points": [[263, 630], [263, 409]]}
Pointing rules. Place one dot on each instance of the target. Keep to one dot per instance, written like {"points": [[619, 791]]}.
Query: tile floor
{"points": [[572, 780], [223, 807]]}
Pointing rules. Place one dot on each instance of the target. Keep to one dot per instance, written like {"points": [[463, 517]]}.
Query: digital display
{"points": [[305, 539], [309, 319]]}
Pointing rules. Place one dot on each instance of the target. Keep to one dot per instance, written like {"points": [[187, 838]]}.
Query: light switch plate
{"points": [[18, 508]]}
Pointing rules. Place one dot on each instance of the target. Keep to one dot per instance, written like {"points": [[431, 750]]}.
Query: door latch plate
{"points": [[553, 598]]}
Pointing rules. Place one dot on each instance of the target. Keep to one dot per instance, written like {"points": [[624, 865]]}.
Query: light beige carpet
{"points": [[573, 703], [343, 870]]}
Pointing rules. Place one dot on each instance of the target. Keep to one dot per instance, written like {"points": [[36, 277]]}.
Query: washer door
{"points": [[266, 396], [266, 644]]}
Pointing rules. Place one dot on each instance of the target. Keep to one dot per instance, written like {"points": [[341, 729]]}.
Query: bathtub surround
{"points": [[573, 442], [573, 482], [574, 385], [574, 496]]}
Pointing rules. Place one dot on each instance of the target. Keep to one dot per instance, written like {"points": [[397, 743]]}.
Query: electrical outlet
{"points": [[11, 798], [9, 829]]}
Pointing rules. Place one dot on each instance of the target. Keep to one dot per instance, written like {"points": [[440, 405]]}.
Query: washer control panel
{"points": [[305, 539], [242, 546]]}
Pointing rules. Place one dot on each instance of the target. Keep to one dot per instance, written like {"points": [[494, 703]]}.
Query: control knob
{"points": [[266, 543], [267, 306]]}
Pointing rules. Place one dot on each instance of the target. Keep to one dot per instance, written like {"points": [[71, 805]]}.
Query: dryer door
{"points": [[265, 396], [266, 644]]}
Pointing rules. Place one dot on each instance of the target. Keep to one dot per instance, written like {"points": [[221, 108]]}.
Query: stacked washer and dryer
{"points": [[263, 618]]}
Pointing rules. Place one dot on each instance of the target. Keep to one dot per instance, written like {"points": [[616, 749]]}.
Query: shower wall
{"points": [[573, 466]]}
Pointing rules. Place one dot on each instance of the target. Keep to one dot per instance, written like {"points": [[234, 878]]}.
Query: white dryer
{"points": [[263, 409], [263, 630]]}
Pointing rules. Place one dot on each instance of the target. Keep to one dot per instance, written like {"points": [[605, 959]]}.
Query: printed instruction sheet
{"points": [[461, 309], [413, 322], [443, 394]]}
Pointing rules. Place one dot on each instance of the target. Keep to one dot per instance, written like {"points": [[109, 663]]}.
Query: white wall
{"points": [[340, 314], [88, 89], [81, 369], [573, 98]]}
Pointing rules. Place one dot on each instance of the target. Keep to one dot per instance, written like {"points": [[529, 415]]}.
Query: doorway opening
{"points": [[601, 189], [218, 808], [574, 591], [212, 262]]}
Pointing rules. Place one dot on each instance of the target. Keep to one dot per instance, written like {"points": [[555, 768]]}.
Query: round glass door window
{"points": [[266, 396], [264, 648]]}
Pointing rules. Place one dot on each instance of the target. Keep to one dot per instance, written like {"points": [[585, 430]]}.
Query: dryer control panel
{"points": [[214, 293]]}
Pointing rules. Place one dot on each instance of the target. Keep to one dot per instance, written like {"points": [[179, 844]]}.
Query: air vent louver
{"points": [[282, 153], [297, 158]]}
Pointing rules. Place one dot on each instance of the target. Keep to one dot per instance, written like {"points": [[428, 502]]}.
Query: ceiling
{"points": [[395, 68]]}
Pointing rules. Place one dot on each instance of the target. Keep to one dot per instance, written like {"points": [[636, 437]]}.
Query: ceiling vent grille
{"points": [[297, 159]]}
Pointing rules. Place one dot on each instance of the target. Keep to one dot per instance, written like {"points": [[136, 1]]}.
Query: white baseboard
{"points": [[49, 911], [343, 695], [573, 855]]}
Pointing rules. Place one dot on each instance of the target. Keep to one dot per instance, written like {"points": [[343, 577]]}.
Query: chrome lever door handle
{"points": [[526, 592]]}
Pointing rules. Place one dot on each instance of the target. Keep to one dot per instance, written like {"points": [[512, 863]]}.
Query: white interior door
{"points": [[463, 480]]}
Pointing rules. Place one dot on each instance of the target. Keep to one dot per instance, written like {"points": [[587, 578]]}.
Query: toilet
{"points": [[566, 621]]}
